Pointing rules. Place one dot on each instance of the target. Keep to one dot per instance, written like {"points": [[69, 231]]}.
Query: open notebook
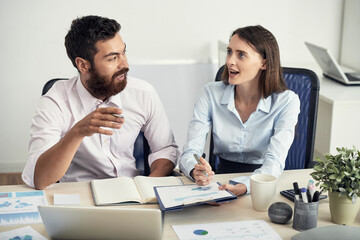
{"points": [[126, 190]]}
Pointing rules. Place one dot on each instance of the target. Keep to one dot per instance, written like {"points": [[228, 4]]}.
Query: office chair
{"points": [[141, 145], [305, 84]]}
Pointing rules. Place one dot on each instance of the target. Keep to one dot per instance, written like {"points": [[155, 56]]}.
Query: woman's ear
{"points": [[82, 65], [263, 67]]}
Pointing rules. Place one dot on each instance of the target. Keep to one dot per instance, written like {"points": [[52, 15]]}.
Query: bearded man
{"points": [[84, 128]]}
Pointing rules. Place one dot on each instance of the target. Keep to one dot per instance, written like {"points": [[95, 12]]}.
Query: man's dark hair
{"points": [[85, 32]]}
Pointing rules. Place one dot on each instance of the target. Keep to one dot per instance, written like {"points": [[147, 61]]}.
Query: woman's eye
{"points": [[229, 52], [241, 55]]}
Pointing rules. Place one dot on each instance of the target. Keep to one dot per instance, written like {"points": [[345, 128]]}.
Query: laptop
{"points": [[101, 222], [331, 68]]}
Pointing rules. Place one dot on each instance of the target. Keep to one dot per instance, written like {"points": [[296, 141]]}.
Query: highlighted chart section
{"points": [[21, 207]]}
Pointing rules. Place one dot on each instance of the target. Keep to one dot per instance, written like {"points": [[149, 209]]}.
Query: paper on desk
{"points": [[22, 234], [181, 195], [252, 229], [66, 199], [21, 207]]}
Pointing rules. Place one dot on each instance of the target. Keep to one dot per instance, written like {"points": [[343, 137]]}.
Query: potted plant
{"points": [[340, 176]]}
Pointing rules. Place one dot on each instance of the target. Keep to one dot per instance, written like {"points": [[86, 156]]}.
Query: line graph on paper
{"points": [[21, 207], [175, 196], [249, 230]]}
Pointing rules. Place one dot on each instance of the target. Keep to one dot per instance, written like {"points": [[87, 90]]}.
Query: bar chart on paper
{"points": [[21, 207], [252, 229]]}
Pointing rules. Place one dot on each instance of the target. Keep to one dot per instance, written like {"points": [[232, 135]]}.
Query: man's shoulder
{"points": [[62, 84]]}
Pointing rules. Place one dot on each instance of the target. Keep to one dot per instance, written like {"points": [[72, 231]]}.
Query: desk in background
{"points": [[237, 210], [338, 117]]}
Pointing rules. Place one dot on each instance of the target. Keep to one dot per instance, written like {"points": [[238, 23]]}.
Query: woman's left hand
{"points": [[238, 189]]}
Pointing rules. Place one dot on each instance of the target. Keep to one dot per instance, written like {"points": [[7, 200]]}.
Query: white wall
{"points": [[172, 44], [350, 44]]}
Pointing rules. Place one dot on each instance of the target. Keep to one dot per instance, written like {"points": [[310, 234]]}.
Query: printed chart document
{"points": [[21, 207], [252, 229], [126, 190], [26, 233], [177, 197]]}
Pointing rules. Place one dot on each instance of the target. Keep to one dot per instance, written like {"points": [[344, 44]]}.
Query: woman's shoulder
{"points": [[285, 97], [287, 94], [214, 86]]}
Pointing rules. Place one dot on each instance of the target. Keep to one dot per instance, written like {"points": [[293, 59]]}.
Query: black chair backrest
{"points": [[306, 84], [141, 145]]}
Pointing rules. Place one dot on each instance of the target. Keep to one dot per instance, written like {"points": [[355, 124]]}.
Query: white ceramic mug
{"points": [[263, 188]]}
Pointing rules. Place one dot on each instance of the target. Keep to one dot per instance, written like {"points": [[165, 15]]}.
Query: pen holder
{"points": [[305, 215]]}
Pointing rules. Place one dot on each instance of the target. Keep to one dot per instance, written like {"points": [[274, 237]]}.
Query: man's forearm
{"points": [[161, 167], [53, 163]]}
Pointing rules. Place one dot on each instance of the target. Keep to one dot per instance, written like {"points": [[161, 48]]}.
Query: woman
{"points": [[251, 112]]}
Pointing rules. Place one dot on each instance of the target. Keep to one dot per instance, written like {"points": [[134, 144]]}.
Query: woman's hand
{"points": [[198, 173], [238, 189]]}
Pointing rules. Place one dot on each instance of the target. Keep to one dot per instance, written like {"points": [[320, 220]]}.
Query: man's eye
{"points": [[113, 58]]}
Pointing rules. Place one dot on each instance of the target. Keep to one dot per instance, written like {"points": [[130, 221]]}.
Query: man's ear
{"points": [[82, 65]]}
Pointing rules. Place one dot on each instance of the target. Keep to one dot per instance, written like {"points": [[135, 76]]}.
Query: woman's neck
{"points": [[246, 100]]}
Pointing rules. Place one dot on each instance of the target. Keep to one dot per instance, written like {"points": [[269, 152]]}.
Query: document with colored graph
{"points": [[21, 207], [177, 197]]}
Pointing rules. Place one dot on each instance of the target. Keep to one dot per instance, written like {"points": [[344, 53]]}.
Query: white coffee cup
{"points": [[263, 188]]}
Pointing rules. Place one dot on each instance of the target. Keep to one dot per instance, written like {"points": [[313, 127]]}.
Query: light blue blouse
{"points": [[265, 138]]}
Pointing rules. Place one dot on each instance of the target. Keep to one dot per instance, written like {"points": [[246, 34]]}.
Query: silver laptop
{"points": [[331, 68], [101, 222]]}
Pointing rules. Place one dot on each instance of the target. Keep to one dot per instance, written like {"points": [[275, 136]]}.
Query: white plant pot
{"points": [[342, 210]]}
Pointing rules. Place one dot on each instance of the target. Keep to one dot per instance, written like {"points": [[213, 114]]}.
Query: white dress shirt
{"points": [[265, 138], [100, 156]]}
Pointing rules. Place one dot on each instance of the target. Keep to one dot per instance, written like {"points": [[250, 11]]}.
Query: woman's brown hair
{"points": [[262, 41]]}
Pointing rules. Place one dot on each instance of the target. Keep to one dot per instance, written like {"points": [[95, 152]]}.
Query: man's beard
{"points": [[102, 87]]}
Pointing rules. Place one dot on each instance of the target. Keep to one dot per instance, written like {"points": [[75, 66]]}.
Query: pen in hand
{"points": [[198, 161]]}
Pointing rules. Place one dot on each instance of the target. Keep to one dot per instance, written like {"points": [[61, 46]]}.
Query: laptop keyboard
{"points": [[353, 77]]}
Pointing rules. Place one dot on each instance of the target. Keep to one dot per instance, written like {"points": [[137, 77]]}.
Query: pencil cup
{"points": [[262, 188], [305, 215]]}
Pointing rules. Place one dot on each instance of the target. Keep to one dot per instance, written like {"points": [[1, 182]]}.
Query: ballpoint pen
{"points": [[118, 115], [198, 161]]}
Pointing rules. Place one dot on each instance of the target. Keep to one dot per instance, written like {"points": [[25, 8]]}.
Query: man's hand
{"points": [[53, 163], [238, 189], [198, 173], [95, 121]]}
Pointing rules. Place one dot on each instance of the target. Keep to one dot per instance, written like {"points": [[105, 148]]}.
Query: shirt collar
{"points": [[265, 104], [89, 102], [228, 99], [228, 96]]}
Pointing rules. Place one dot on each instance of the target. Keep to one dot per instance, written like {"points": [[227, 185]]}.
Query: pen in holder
{"points": [[305, 215]]}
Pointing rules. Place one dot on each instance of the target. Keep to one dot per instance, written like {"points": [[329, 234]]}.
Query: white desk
{"points": [[237, 210], [338, 122]]}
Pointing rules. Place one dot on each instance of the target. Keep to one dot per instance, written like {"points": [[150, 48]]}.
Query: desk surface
{"points": [[237, 210]]}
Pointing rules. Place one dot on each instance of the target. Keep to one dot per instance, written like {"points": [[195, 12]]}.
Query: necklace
{"points": [[243, 115]]}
